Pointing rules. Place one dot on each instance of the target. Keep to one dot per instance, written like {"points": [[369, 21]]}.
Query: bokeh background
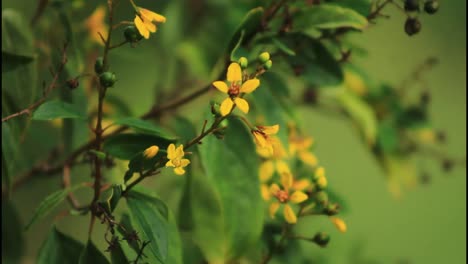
{"points": [[426, 225]]}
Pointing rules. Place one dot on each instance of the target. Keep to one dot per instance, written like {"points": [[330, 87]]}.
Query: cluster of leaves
{"points": [[221, 215]]}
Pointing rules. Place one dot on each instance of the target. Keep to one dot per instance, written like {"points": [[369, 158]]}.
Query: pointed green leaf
{"points": [[11, 61], [57, 109], [328, 17], [126, 146], [91, 254], [144, 126], [59, 248]]}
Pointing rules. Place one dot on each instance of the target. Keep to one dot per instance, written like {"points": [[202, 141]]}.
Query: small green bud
{"points": [[99, 65], [332, 209], [321, 239], [263, 57], [132, 35], [267, 65], [431, 7], [107, 79], [243, 62], [321, 197], [412, 26], [215, 109]]}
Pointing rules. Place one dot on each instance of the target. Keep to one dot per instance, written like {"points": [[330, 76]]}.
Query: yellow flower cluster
{"points": [[175, 157]]}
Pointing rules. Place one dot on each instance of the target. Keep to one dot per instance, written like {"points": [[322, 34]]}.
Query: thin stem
{"points": [[66, 182]]}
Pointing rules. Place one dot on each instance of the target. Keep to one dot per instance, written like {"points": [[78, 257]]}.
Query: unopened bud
{"points": [[264, 57], [243, 62]]}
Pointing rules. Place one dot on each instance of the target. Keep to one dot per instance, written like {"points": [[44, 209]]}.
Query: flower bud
{"points": [[321, 239], [150, 152], [412, 26], [431, 7], [264, 57], [321, 197], [107, 79], [243, 62], [339, 224], [267, 65], [215, 109], [99, 65], [132, 35], [332, 209]]}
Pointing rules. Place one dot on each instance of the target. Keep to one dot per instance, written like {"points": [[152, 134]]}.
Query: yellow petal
{"points": [[184, 162], [301, 185], [266, 170], [273, 209], [286, 180], [322, 182], [179, 171], [171, 151], [289, 214], [298, 197], [259, 139], [242, 104], [226, 106], [179, 151], [270, 130], [250, 86], [339, 224], [222, 86], [170, 164], [274, 189], [308, 158], [151, 152], [150, 26], [152, 16], [282, 167], [320, 172], [141, 27], [263, 152], [234, 73], [266, 195]]}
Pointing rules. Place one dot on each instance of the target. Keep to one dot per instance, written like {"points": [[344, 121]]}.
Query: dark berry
{"points": [[412, 26], [431, 7], [411, 5]]}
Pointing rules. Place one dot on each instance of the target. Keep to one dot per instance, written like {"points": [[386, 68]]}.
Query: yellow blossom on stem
{"points": [[176, 160], [339, 224], [299, 145], [263, 137], [234, 89], [273, 161], [151, 152], [95, 25], [320, 178], [145, 21], [285, 196]]}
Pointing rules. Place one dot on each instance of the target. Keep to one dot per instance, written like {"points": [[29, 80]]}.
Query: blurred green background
{"points": [[427, 225]]}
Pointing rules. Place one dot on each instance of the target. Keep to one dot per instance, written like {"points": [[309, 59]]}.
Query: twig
{"points": [[66, 182], [52, 85]]}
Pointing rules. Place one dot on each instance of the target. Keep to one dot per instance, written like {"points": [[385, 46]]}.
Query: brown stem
{"points": [[52, 85], [66, 182]]}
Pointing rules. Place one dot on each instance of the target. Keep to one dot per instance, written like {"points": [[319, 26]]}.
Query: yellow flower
{"points": [[145, 21], [320, 178], [273, 161], [175, 157], [235, 89], [151, 152], [301, 184], [264, 140], [284, 196], [339, 224], [95, 25], [299, 146]]}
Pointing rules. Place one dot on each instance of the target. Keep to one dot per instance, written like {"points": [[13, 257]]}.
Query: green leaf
{"points": [[328, 17], [57, 109], [363, 7], [110, 198], [49, 203], [144, 127], [118, 255], [17, 37], [248, 27], [151, 222], [91, 254], [361, 113], [126, 146], [12, 235], [387, 136], [9, 154], [11, 61], [59, 248], [237, 187], [283, 47], [314, 63]]}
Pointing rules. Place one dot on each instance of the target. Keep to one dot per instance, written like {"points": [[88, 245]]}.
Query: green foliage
{"points": [[91, 254], [126, 146], [144, 127], [12, 234], [59, 248], [57, 109]]}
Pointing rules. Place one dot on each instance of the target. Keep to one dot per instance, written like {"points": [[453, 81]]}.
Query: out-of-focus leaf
{"points": [[401, 173], [118, 255], [328, 17], [9, 154], [12, 235], [59, 248], [119, 105], [313, 62], [91, 254], [126, 146], [241, 215], [49, 203], [11, 61], [247, 28], [363, 7], [387, 136], [57, 109], [283, 47], [144, 127], [110, 198], [361, 113], [150, 222], [413, 117]]}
